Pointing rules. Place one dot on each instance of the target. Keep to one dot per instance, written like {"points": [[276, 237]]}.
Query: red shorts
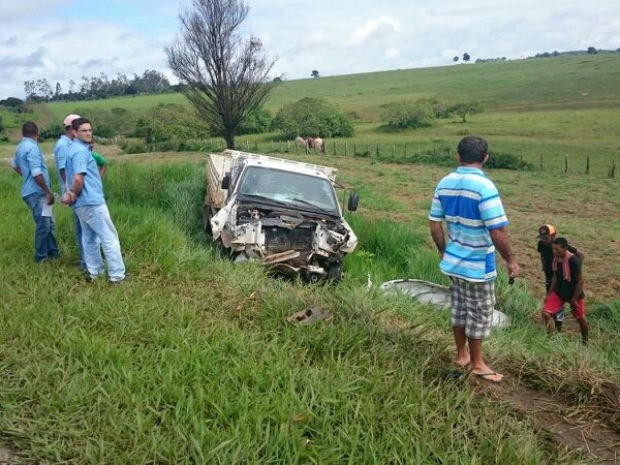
{"points": [[554, 303]]}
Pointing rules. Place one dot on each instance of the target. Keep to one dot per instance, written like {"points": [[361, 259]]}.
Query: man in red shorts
{"points": [[566, 286]]}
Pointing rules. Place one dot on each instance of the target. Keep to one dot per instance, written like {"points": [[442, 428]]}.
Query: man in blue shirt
{"points": [[61, 151], [469, 203], [30, 164], [88, 201]]}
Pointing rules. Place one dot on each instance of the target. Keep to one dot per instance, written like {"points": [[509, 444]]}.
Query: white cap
{"points": [[69, 119]]}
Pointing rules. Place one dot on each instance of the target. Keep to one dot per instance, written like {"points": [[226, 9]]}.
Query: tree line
{"points": [[99, 87]]}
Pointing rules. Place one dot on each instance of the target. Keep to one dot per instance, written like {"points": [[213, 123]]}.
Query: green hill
{"points": [[575, 82]]}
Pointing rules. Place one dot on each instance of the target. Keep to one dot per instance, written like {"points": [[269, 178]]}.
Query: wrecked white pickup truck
{"points": [[284, 213]]}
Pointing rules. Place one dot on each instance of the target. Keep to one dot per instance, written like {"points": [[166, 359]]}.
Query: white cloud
{"points": [[379, 28], [332, 36]]}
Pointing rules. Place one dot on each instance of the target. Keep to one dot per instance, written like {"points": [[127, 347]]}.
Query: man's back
{"points": [[469, 202]]}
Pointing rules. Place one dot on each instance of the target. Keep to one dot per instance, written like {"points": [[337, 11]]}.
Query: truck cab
{"points": [[281, 212]]}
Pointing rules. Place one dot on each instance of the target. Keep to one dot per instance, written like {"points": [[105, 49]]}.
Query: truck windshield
{"points": [[285, 186]]}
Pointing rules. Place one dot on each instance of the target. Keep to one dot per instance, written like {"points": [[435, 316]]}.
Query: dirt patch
{"points": [[569, 426], [7, 455]]}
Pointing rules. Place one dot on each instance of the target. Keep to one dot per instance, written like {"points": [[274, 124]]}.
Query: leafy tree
{"points": [[466, 57], [11, 102], [255, 122], [314, 74], [464, 109], [167, 122], [455, 59], [311, 117], [58, 92], [410, 114], [592, 50], [226, 76]]}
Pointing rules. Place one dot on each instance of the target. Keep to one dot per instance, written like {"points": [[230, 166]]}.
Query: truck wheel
{"points": [[334, 272], [206, 221]]}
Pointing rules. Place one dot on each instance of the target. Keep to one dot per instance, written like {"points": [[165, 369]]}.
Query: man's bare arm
{"points": [[501, 242], [438, 236]]}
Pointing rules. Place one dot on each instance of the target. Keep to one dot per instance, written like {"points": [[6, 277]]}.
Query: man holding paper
{"points": [[30, 164]]}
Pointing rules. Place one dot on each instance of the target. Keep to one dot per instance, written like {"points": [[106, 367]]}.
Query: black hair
{"points": [[30, 129], [472, 149], [77, 122], [561, 241]]}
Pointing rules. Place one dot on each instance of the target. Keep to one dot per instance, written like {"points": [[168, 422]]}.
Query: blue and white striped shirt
{"points": [[470, 204]]}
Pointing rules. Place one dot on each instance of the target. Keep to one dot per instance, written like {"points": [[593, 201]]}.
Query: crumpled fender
{"points": [[219, 219]]}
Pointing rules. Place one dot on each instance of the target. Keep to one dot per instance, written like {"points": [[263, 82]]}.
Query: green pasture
{"points": [[563, 83], [191, 361]]}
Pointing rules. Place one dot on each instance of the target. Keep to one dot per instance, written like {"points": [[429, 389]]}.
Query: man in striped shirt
{"points": [[469, 203]]}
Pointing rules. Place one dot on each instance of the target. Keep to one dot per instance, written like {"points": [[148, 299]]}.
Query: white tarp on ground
{"points": [[433, 294]]}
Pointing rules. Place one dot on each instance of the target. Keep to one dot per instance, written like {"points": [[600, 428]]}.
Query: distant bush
{"points": [[256, 122], [507, 161], [410, 114], [464, 109], [311, 117], [167, 122]]}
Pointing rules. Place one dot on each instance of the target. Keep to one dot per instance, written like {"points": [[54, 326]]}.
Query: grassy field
{"points": [[192, 360]]}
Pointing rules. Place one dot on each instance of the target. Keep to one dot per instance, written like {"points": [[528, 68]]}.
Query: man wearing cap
{"points": [[469, 203], [30, 164], [88, 201], [546, 236], [566, 286], [61, 151]]}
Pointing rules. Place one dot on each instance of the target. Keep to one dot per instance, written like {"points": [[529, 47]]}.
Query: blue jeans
{"points": [[45, 245], [98, 229]]}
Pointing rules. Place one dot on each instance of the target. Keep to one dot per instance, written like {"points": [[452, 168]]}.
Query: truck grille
{"points": [[283, 239]]}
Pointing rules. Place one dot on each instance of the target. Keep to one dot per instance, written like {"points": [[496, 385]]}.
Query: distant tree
{"points": [[71, 86], [314, 74], [11, 102], [58, 92], [455, 59], [1, 124], [226, 76], [410, 114], [464, 109], [466, 57], [555, 53], [30, 90], [311, 117], [592, 50], [277, 80]]}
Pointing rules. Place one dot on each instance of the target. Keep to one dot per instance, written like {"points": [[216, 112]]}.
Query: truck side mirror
{"points": [[226, 181], [354, 200]]}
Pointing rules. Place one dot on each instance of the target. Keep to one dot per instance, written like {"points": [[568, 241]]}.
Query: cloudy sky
{"points": [[66, 39]]}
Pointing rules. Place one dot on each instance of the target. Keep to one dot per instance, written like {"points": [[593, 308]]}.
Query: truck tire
{"points": [[206, 221], [334, 272]]}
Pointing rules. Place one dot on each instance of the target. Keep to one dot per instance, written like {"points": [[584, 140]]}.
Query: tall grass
{"points": [[192, 361]]}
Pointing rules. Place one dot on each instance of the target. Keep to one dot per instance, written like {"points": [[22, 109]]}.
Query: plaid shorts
{"points": [[472, 306]]}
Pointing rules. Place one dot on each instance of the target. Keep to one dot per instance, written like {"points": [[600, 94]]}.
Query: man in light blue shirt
{"points": [[30, 164], [88, 201], [469, 203], [61, 151]]}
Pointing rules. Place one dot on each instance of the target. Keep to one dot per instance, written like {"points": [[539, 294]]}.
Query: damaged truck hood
{"points": [[265, 229]]}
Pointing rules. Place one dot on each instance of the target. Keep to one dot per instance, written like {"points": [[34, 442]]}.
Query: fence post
{"points": [[565, 163], [541, 162], [345, 148], [588, 165], [354, 148], [334, 148], [394, 151], [247, 145], [377, 152], [612, 170], [405, 151]]}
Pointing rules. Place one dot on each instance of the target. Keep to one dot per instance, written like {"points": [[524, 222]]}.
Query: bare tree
{"points": [[226, 76]]}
